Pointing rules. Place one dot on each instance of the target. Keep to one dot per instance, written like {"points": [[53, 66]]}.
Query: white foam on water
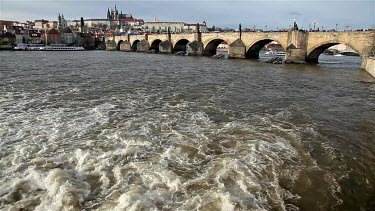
{"points": [[142, 154]]}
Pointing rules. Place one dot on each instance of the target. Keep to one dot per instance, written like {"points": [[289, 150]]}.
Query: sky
{"points": [[266, 14]]}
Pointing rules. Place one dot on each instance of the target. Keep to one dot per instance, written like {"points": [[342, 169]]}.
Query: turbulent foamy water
{"points": [[127, 131]]}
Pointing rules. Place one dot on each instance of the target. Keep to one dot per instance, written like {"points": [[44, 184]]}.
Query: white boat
{"points": [[42, 47], [280, 53], [28, 47], [20, 46], [62, 47]]}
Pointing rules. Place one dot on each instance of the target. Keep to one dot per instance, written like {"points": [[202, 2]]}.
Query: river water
{"points": [[100, 130]]}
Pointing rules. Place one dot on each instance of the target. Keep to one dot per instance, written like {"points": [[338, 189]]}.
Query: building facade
{"points": [[5, 24], [97, 23], [73, 23], [176, 27], [7, 40], [341, 48], [41, 24], [52, 25], [34, 37], [45, 24], [53, 36], [67, 36], [194, 27]]}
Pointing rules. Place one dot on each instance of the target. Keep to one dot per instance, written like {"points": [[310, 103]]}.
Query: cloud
{"points": [[296, 14]]}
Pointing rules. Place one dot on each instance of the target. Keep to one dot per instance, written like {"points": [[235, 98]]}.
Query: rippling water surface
{"points": [[125, 131]]}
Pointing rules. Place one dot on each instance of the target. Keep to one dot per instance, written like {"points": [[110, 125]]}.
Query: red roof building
{"points": [[6, 23], [53, 36]]}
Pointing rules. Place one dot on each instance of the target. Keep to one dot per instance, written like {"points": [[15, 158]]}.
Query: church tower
{"points": [[108, 15], [116, 13], [113, 14], [59, 21]]}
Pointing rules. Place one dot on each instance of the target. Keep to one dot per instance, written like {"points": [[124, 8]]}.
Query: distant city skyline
{"points": [[261, 14]]}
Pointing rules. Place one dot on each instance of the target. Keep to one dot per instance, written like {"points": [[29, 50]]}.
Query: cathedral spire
{"points": [[108, 15]]}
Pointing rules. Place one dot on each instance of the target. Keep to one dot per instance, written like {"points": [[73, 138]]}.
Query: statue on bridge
{"points": [[295, 26]]}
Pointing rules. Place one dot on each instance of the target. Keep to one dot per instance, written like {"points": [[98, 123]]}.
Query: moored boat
{"points": [[268, 52], [280, 53], [42, 47], [61, 47], [28, 47]]}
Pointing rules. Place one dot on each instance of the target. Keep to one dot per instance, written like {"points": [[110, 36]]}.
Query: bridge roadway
{"points": [[300, 46]]}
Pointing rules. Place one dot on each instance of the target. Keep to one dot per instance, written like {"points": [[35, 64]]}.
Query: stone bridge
{"points": [[300, 46]]}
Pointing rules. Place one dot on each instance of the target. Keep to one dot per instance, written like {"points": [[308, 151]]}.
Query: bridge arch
{"points": [[135, 45], [252, 51], [118, 45], [315, 51], [211, 46], [155, 45], [180, 45]]}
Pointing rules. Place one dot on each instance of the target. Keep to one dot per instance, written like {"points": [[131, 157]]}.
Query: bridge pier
{"points": [[194, 48], [370, 66], [110, 45], [143, 46], [297, 47], [237, 50], [165, 47], [295, 56], [125, 46]]}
